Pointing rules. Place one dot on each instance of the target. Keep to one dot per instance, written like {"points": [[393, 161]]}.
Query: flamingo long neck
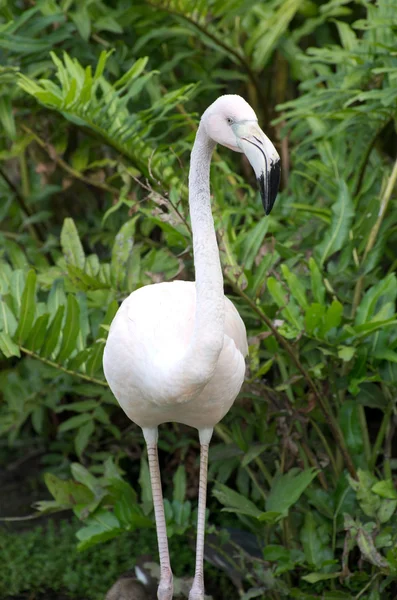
{"points": [[209, 320]]}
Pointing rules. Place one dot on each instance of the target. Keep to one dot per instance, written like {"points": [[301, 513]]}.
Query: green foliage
{"points": [[45, 560], [98, 108], [89, 100]]}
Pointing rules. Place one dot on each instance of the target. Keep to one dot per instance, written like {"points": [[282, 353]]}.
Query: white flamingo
{"points": [[175, 351]]}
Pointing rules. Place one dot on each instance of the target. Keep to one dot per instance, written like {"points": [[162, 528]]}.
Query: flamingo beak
{"points": [[263, 158]]}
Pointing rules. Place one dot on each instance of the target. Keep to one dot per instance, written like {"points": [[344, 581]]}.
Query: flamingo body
{"points": [[151, 331]]}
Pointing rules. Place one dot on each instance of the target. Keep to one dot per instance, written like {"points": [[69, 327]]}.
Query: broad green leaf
{"points": [[145, 485], [252, 243], [314, 318], [70, 330], [270, 516], [288, 488], [53, 333], [81, 19], [37, 334], [386, 510], [38, 419], [101, 415], [110, 312], [318, 287], [369, 502], [84, 328], [234, 501], [82, 475], [83, 437], [315, 541], [385, 291], [16, 256], [67, 493], [290, 309], [321, 500], [126, 509], [28, 308], [180, 484], [80, 406], [347, 35], [56, 297], [273, 552], [103, 57], [316, 577], [7, 346], [367, 548], [8, 322], [100, 527], [332, 317], [121, 252], [322, 213], [230, 263], [16, 288], [71, 244], [92, 265], [5, 269], [337, 234], [74, 422], [296, 286], [78, 359], [362, 331], [7, 117], [385, 489], [84, 281], [265, 368], [133, 72], [349, 421], [253, 452], [277, 292], [346, 353], [94, 360]]}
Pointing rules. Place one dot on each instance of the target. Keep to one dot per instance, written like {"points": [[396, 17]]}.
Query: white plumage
{"points": [[175, 351], [150, 332]]}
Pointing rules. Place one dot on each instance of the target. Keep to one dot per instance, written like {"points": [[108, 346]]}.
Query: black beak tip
{"points": [[268, 186]]}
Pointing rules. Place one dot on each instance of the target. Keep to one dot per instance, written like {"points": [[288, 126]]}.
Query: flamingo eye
{"points": [[229, 120]]}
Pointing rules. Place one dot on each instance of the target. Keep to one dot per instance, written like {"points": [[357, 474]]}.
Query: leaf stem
{"points": [[59, 367]]}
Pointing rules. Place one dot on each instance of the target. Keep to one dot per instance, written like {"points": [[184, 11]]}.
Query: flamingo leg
{"points": [[166, 587], [197, 590]]}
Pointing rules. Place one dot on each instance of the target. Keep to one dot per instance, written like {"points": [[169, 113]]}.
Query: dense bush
{"points": [[99, 104]]}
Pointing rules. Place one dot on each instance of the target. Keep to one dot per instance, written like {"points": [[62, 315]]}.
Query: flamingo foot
{"points": [[166, 587], [197, 590]]}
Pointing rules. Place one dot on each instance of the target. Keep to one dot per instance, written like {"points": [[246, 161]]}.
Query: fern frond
{"points": [[90, 100]]}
